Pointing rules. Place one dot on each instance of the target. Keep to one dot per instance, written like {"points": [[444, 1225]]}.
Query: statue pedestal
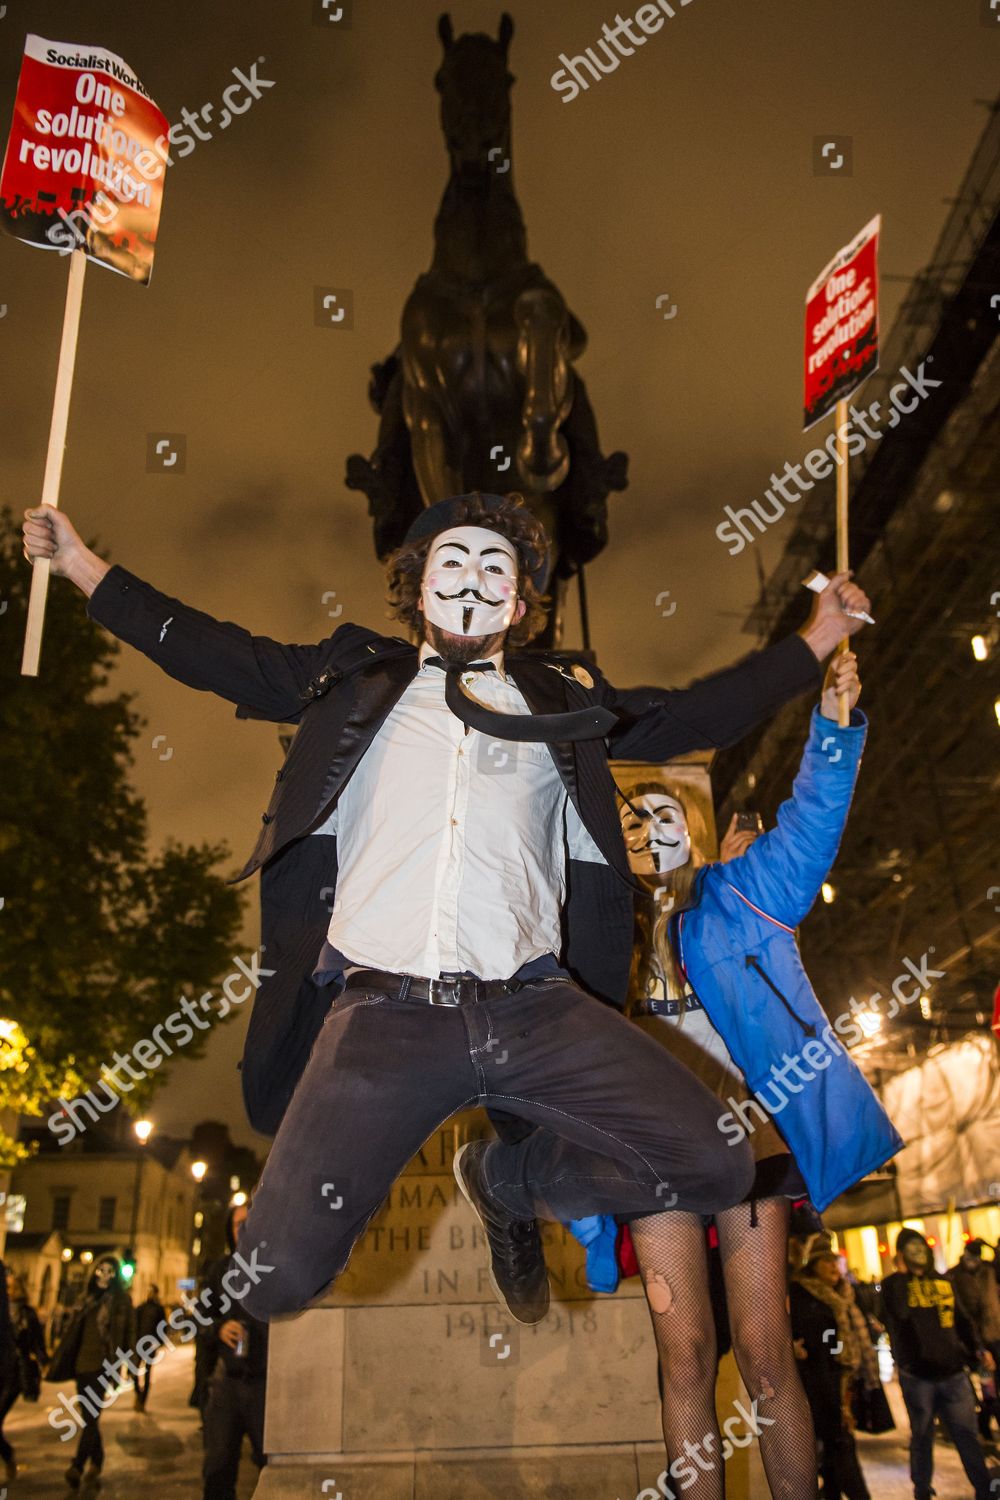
{"points": [[407, 1380]]}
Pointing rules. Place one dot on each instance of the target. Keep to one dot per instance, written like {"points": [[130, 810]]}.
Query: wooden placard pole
{"points": [[843, 489], [54, 457]]}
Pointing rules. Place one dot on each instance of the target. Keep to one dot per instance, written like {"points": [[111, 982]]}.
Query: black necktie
{"points": [[578, 724]]}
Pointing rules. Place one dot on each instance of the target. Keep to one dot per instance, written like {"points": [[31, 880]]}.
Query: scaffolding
{"points": [[918, 873]]}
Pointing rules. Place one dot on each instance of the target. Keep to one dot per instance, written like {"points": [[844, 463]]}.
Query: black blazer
{"points": [[339, 691]]}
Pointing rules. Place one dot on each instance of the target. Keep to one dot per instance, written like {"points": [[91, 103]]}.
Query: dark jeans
{"points": [[953, 1399], [91, 1444], [9, 1393], [620, 1126], [990, 1405], [234, 1407], [141, 1381], [205, 1359], [840, 1469]]}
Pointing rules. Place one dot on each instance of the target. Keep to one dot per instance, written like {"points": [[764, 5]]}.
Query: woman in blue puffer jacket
{"points": [[729, 996]]}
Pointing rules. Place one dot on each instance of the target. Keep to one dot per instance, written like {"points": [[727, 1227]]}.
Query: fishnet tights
{"points": [[673, 1260]]}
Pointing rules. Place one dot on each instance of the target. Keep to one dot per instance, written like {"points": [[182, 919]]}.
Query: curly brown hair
{"points": [[512, 519]]}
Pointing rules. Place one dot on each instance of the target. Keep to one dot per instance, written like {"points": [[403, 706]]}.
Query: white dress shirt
{"points": [[451, 846]]}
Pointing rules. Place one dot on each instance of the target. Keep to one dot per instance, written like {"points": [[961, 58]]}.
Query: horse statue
{"points": [[481, 392]]}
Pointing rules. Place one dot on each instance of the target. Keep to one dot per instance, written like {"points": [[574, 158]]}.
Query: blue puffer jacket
{"points": [[737, 944]]}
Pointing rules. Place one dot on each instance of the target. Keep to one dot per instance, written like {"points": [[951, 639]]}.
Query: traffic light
{"points": [[128, 1267]]}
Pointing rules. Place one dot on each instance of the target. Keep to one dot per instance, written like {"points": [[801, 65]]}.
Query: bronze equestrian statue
{"points": [[481, 392]]}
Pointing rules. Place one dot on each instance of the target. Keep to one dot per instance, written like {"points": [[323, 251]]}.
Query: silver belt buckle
{"points": [[445, 991]]}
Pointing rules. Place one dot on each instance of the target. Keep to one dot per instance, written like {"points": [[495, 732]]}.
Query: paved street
{"points": [[156, 1454], [159, 1454], [886, 1464]]}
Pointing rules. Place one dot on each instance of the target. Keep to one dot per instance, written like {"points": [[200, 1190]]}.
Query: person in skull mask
{"points": [[101, 1325], [933, 1344], [455, 792]]}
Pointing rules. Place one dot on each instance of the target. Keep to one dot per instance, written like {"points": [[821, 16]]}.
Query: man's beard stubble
{"points": [[461, 649]]}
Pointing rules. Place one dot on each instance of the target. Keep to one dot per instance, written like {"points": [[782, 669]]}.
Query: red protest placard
{"points": [[86, 157], [842, 325]]}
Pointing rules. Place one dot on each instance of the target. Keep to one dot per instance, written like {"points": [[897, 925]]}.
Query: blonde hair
{"points": [[652, 951]]}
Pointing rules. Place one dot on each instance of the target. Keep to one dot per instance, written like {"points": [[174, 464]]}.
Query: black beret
{"points": [[443, 515]]}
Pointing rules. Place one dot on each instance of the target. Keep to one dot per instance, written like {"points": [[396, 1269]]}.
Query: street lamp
{"points": [[870, 1022], [198, 1170], [143, 1130]]}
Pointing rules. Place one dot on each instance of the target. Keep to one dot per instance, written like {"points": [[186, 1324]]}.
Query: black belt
{"points": [[650, 1007], [458, 989]]}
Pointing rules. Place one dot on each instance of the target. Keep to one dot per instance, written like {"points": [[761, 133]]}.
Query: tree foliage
{"points": [[99, 938]]}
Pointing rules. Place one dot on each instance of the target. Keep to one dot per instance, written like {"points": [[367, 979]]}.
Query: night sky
{"points": [[687, 172]]}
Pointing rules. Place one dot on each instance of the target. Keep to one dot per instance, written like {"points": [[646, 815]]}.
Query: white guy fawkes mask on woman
{"points": [[658, 839], [469, 587]]}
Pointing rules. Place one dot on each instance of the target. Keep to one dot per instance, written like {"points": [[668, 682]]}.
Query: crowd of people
{"points": [[85, 1338], [942, 1330]]}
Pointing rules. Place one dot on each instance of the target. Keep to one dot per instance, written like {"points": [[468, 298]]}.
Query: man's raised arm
{"points": [[212, 655], [659, 723]]}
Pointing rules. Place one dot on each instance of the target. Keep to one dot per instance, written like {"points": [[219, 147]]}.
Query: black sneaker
{"points": [[73, 1476], [517, 1261]]}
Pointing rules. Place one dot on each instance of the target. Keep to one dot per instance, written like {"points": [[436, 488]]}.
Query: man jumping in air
{"points": [[457, 794]]}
